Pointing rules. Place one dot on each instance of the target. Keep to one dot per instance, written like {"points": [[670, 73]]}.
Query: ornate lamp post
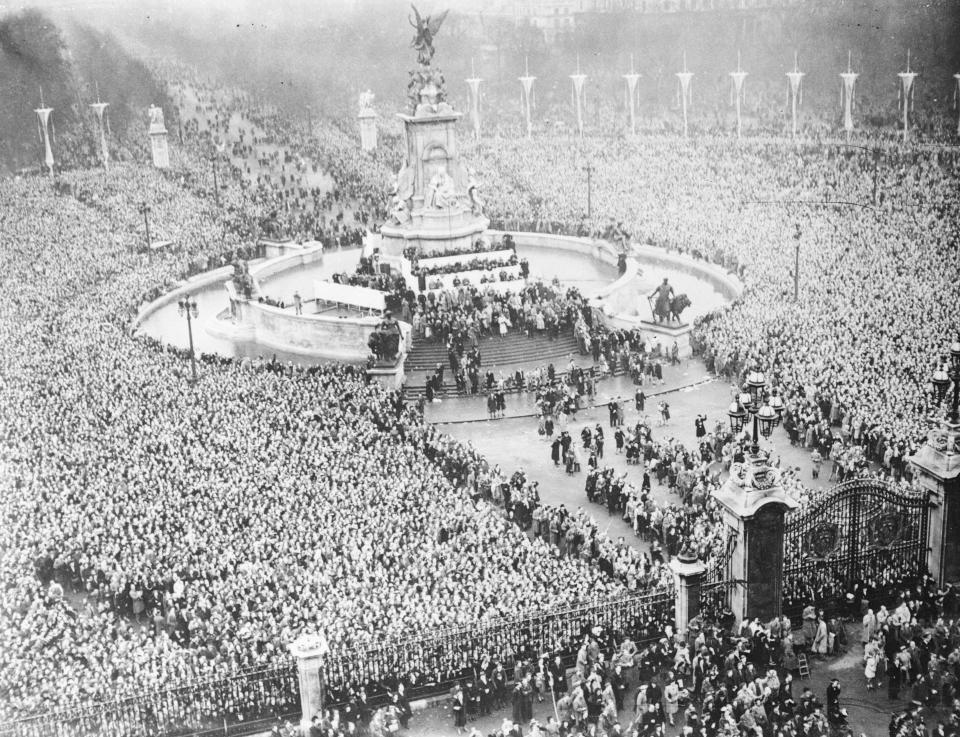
{"points": [[766, 414], [936, 470], [187, 307], [145, 211], [941, 382]]}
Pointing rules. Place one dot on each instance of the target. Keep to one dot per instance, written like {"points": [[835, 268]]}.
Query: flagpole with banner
{"points": [[474, 84], [526, 82], [686, 96], [43, 119], [631, 80], [578, 79], [956, 100], [796, 92], [99, 107], [849, 79], [906, 94], [738, 77]]}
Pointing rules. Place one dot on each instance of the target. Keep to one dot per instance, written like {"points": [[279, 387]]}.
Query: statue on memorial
{"points": [[473, 192], [668, 307], [441, 191], [242, 281], [384, 342], [425, 88], [426, 29], [365, 102], [156, 117]]}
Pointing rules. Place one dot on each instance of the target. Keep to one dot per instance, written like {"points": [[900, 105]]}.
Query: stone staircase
{"points": [[498, 354]]}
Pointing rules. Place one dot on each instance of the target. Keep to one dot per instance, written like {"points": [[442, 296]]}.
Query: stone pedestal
{"points": [[391, 375], [159, 148], [687, 579], [433, 187], [754, 503], [309, 651], [368, 130], [936, 467]]}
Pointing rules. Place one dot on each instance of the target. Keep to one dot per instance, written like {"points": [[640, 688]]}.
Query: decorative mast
{"points": [[796, 91], [526, 94], [473, 82], [43, 120], [631, 92], [847, 92], [578, 80], [99, 108], [686, 97], [906, 94], [737, 90]]}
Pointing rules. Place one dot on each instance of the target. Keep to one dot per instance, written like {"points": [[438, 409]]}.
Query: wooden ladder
{"points": [[804, 666]]}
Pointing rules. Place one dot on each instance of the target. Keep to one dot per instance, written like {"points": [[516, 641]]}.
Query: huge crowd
{"points": [[159, 531], [862, 245]]}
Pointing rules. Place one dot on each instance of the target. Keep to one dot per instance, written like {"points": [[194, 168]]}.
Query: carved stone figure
{"points": [[426, 29], [156, 117], [441, 191], [384, 342], [365, 102]]}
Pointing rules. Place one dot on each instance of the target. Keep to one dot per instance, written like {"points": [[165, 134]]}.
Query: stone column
{"points": [[936, 467], [309, 651], [754, 504], [158, 139], [687, 579], [368, 130]]}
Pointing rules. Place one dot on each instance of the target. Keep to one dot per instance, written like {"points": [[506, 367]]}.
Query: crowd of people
{"points": [[168, 531]]}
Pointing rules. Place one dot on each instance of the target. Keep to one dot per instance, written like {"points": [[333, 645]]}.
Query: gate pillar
{"points": [[309, 651], [754, 504], [936, 468], [687, 579]]}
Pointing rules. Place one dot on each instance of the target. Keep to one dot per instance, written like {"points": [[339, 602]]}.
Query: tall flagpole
{"points": [[526, 82], [738, 77], [686, 97], [849, 79], [99, 107], [43, 118], [906, 93], [474, 84], [795, 79], [956, 100], [578, 80], [631, 90]]}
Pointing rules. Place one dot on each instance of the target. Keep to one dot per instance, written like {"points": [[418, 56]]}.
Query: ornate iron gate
{"points": [[862, 531], [718, 582]]}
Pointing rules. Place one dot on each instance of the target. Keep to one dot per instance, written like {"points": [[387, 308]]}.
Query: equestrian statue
{"points": [[668, 306]]}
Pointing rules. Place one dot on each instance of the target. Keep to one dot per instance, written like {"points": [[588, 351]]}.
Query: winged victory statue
{"points": [[427, 29]]}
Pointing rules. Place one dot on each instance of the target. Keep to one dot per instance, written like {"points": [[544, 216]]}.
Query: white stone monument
{"points": [[158, 139], [368, 122]]}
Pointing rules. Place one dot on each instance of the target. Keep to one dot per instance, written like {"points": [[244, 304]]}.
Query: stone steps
{"points": [[502, 353]]}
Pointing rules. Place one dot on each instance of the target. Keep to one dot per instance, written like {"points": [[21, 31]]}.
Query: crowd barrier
{"points": [[250, 701]]}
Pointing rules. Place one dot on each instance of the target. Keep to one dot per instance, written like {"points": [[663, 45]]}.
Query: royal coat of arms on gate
{"points": [[885, 529], [822, 540]]}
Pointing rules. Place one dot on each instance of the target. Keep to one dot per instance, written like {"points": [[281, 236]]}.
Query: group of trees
{"points": [[67, 64]]}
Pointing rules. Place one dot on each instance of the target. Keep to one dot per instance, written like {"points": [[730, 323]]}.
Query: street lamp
{"points": [[941, 382], [751, 401], [216, 186], [589, 169], [187, 307], [145, 211]]}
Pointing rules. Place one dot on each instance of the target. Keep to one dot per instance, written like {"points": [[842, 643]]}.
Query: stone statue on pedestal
{"points": [[426, 29], [156, 118], [441, 191], [384, 342], [365, 102]]}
